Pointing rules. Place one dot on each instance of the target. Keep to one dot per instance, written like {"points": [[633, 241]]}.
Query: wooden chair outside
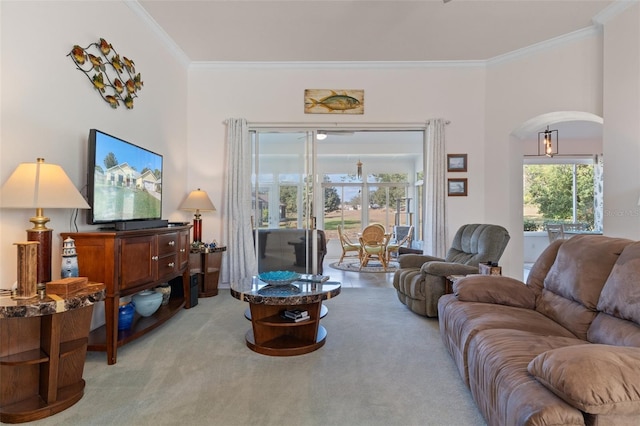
{"points": [[374, 245], [555, 231], [394, 247], [348, 245]]}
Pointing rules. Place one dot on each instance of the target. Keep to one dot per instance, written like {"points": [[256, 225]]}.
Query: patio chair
{"points": [[555, 231], [394, 246], [347, 245], [374, 245]]}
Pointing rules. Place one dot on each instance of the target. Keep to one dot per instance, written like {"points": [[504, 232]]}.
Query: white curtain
{"points": [[240, 260], [435, 235]]}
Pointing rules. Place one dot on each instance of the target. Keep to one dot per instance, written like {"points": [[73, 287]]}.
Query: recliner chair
{"points": [[421, 279]]}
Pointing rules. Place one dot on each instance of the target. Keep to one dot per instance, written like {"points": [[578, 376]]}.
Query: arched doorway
{"points": [[580, 138]]}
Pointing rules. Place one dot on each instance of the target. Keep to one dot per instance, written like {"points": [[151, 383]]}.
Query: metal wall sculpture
{"points": [[113, 77]]}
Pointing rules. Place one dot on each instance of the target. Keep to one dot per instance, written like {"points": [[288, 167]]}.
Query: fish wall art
{"points": [[114, 77], [327, 101]]}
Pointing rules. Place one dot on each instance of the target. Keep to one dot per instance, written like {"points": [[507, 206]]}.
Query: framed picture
{"points": [[457, 187], [334, 101], [456, 162]]}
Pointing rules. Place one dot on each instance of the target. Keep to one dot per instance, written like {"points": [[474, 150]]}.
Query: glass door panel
{"points": [[284, 193]]}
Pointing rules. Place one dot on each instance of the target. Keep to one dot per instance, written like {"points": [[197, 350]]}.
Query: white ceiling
{"points": [[371, 30], [365, 30]]}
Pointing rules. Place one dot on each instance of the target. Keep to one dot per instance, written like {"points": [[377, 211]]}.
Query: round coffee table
{"points": [[271, 333]]}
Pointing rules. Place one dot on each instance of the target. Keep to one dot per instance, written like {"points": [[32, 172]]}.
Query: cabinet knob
{"points": [[171, 264], [154, 258], [172, 243]]}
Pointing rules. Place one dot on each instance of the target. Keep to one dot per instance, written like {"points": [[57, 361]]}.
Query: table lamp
{"points": [[197, 201], [41, 185]]}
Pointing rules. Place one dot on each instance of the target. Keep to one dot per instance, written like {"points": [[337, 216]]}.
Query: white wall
{"points": [[622, 124], [48, 106]]}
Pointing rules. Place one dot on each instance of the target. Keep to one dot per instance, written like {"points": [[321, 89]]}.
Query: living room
{"points": [[48, 108], [182, 108]]}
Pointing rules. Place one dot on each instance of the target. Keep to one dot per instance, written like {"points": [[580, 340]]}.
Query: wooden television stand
{"points": [[128, 262]]}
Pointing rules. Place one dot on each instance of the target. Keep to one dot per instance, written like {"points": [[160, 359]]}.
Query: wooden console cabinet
{"points": [[128, 262]]}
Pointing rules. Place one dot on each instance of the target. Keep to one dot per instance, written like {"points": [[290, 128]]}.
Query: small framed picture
{"points": [[456, 162], [457, 187]]}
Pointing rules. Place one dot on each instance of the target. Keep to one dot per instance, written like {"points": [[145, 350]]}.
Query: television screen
{"points": [[124, 181]]}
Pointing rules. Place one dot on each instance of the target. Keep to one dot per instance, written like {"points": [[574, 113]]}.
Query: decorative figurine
{"points": [[69, 259]]}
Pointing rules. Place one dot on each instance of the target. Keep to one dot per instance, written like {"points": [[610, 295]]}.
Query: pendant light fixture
{"points": [[359, 169], [546, 142]]}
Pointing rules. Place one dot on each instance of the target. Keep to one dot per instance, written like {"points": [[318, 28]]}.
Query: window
{"points": [[559, 190]]}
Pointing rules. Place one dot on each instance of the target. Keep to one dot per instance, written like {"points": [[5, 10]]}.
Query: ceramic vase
{"points": [[165, 290], [125, 315]]}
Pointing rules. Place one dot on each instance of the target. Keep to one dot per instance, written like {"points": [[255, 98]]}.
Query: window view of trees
{"points": [[550, 195]]}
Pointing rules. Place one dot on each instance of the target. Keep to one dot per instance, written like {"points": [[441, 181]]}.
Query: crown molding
{"points": [[333, 64], [615, 8], [593, 30], [174, 49]]}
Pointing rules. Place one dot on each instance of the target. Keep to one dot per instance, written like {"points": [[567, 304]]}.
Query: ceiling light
{"points": [[546, 142]]}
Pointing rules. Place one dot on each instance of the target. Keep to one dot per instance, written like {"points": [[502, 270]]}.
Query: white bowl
{"points": [[147, 302]]}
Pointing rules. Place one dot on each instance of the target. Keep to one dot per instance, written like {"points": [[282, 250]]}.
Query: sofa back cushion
{"points": [[478, 243], [573, 285], [619, 320], [620, 296]]}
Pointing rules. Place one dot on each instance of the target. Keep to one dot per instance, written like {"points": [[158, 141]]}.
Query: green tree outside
{"points": [[549, 188]]}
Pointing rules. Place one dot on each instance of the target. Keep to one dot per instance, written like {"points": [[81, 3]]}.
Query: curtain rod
{"points": [[336, 125]]}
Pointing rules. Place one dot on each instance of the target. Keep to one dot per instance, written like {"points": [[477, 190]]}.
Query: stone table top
{"points": [[51, 303], [253, 290]]}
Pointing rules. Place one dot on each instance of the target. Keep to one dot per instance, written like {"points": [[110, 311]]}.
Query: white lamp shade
{"points": [[40, 185], [198, 200]]}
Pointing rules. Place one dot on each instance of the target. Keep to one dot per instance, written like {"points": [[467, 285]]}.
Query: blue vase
{"points": [[125, 316]]}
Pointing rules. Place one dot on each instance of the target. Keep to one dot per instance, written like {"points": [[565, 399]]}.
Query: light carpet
{"points": [[381, 365], [373, 266]]}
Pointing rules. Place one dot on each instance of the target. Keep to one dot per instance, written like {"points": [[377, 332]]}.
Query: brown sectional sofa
{"points": [[562, 349]]}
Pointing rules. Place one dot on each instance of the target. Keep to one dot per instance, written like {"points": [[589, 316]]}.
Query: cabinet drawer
{"points": [[167, 243], [167, 265]]}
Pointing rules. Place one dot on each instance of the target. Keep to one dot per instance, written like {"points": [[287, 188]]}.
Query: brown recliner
{"points": [[421, 279]]}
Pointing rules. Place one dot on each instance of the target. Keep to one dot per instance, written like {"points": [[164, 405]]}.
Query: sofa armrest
{"points": [[494, 289], [415, 260], [596, 379]]}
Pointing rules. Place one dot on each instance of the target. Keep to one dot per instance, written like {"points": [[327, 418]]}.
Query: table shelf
{"points": [[287, 345], [139, 327]]}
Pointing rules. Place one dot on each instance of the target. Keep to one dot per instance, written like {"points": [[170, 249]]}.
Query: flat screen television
{"points": [[124, 183]]}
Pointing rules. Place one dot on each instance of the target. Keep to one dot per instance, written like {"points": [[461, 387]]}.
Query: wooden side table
{"points": [[206, 264], [451, 279]]}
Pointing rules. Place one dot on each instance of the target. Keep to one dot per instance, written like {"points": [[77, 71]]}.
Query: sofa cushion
{"points": [[503, 389], [597, 379], [573, 285], [618, 297], [461, 321], [494, 289], [608, 330]]}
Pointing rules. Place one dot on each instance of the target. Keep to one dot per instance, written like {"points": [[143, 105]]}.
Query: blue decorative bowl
{"points": [[147, 302], [279, 277]]}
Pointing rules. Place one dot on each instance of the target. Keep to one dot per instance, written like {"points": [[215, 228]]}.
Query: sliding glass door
{"points": [[349, 178], [283, 188]]}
